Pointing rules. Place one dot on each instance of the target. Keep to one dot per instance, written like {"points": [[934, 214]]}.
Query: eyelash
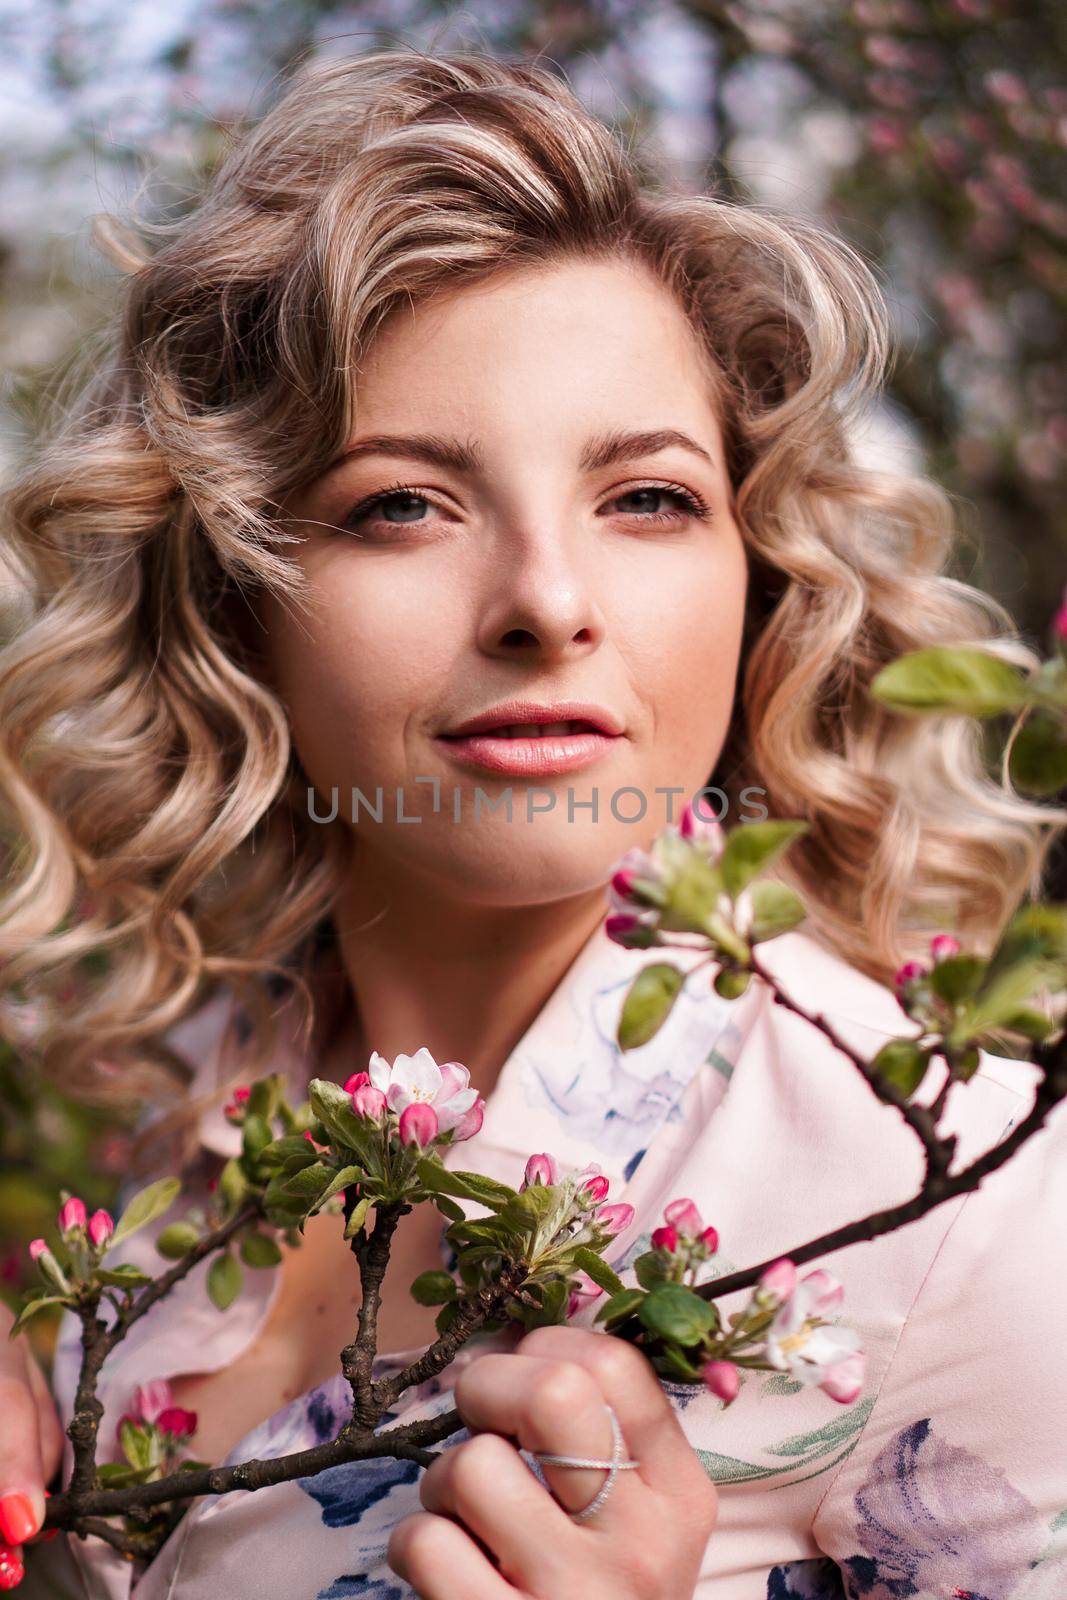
{"points": [[694, 504]]}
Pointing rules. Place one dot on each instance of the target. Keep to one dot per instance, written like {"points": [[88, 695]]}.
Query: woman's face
{"points": [[518, 547]]}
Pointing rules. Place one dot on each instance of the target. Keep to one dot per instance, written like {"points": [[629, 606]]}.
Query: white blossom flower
{"points": [[409, 1080]]}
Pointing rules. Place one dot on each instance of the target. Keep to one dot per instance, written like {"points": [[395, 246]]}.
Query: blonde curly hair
{"points": [[153, 806]]}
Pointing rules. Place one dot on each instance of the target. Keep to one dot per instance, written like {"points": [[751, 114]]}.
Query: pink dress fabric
{"points": [[945, 1480]]}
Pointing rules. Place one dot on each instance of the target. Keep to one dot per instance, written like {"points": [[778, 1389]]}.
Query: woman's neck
{"points": [[464, 980]]}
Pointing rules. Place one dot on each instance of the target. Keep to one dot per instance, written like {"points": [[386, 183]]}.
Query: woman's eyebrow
{"points": [[603, 450]]}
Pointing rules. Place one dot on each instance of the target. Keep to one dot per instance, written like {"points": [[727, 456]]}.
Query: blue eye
{"points": [[691, 505]]}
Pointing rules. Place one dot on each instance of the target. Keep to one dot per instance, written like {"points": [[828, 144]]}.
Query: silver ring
{"points": [[612, 1468]]}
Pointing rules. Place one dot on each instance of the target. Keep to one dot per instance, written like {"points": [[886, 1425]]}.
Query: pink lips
{"points": [[537, 757]]}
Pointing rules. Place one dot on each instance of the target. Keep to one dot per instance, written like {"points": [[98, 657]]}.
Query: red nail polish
{"points": [[11, 1569], [17, 1518]]}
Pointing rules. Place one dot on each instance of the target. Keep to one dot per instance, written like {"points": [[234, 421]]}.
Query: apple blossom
{"points": [[943, 946], [418, 1124], [779, 1280], [615, 1218], [369, 1103], [910, 972], [71, 1216], [812, 1352], [418, 1080], [703, 831], [665, 1238], [722, 1378], [683, 1215], [177, 1421], [355, 1080], [101, 1227], [541, 1168], [582, 1290]]}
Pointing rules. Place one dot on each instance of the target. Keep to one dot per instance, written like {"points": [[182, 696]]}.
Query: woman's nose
{"points": [[545, 618], [540, 604]]}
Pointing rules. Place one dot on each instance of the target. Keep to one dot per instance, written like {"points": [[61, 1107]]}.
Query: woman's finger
{"points": [[556, 1406], [651, 1429], [441, 1562], [486, 1484]]}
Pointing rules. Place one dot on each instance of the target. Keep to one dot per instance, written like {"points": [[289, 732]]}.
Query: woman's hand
{"points": [[491, 1531], [31, 1447]]}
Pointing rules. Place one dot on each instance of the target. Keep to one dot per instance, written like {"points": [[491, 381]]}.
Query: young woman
{"points": [[434, 414]]}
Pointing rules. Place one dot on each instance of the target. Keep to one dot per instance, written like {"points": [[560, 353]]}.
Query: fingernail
{"points": [[18, 1519], [11, 1569], [43, 1538]]}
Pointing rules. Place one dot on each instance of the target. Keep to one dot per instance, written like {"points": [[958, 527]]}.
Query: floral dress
{"points": [[946, 1479]]}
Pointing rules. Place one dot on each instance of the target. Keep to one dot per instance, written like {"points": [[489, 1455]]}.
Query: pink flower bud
{"points": [[470, 1122], [665, 1238], [623, 882], [844, 1380], [633, 930], [418, 1124], [355, 1080], [540, 1169], [595, 1188], [684, 1215], [779, 1280], [369, 1103], [178, 1421], [615, 1218], [101, 1227], [152, 1398], [37, 1247], [72, 1215], [722, 1378], [943, 946], [583, 1289], [710, 1240], [1059, 624], [908, 973]]}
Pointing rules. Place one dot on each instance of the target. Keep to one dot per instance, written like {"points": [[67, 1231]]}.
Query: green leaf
{"points": [[333, 1107], [951, 679], [259, 1250], [620, 1306], [598, 1270], [340, 1180], [311, 1181], [256, 1135], [957, 977], [776, 909], [650, 1269], [144, 1207], [448, 1208], [117, 1475], [446, 1316], [1032, 1024], [224, 1280], [438, 1179], [293, 1150], [750, 849], [1037, 763], [136, 1446], [32, 1309], [902, 1063], [126, 1276], [358, 1217], [675, 1312], [648, 1003], [671, 1363], [434, 1288], [176, 1240], [233, 1181]]}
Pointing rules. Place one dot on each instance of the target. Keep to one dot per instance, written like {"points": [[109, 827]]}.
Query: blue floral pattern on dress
{"points": [[818, 1579]]}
